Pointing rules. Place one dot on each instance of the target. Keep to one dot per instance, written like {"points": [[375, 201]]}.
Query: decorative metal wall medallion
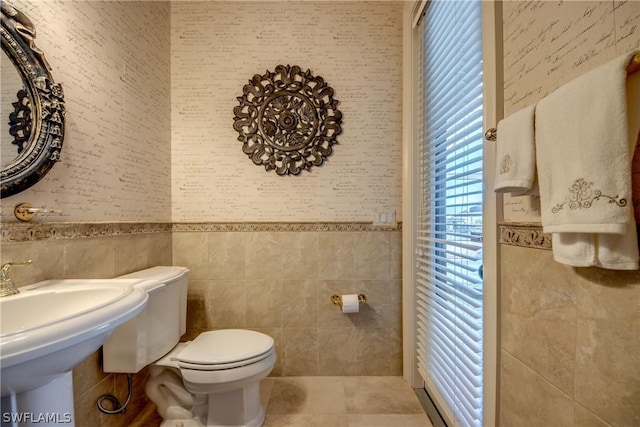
{"points": [[287, 120]]}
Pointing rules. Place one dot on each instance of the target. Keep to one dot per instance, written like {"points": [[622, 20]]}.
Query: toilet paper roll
{"points": [[350, 303]]}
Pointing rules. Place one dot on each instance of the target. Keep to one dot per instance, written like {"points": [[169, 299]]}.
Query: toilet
{"points": [[213, 380]]}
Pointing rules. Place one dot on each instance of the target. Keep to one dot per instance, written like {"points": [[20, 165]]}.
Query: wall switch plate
{"points": [[384, 218]]}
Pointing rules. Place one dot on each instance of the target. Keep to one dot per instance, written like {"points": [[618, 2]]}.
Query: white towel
{"points": [[516, 153], [610, 251], [583, 153], [617, 251]]}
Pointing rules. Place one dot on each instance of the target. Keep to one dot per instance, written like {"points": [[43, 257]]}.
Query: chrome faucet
{"points": [[6, 285]]}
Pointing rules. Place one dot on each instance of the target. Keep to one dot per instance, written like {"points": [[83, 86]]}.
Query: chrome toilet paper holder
{"points": [[337, 299]]}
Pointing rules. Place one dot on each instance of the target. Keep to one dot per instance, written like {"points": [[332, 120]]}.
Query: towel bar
{"points": [[634, 65], [491, 134]]}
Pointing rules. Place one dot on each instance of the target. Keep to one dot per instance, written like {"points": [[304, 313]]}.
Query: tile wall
{"points": [[281, 282], [242, 276], [89, 251], [570, 339]]}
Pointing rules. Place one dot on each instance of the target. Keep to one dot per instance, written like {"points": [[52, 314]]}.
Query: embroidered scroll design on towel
{"points": [[506, 164], [581, 196]]}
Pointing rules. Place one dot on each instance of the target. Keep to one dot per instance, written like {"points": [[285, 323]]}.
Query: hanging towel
{"points": [[610, 251], [516, 153], [583, 153], [617, 251]]}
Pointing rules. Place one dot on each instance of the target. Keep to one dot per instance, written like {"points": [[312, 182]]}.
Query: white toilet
{"points": [[213, 380]]}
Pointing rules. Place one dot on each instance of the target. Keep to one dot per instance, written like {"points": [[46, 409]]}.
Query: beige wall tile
{"points": [[594, 359], [299, 255], [225, 304], [608, 345], [196, 312], [191, 250], [356, 351], [299, 304], [372, 255], [296, 310], [382, 309], [337, 348], [88, 373], [528, 400], [159, 251], [585, 418], [384, 304], [265, 255], [371, 354], [91, 258], [276, 334], [395, 254], [263, 303], [329, 314], [395, 354], [85, 410], [47, 261], [227, 255], [131, 253], [539, 314], [336, 255], [300, 351]]}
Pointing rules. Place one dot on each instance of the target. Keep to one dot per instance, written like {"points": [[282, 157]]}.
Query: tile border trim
{"points": [[25, 232], [283, 226], [528, 235]]}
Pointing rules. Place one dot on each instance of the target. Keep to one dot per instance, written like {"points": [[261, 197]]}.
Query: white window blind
{"points": [[449, 221]]}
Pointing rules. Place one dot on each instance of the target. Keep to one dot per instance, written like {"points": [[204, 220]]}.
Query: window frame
{"points": [[492, 202]]}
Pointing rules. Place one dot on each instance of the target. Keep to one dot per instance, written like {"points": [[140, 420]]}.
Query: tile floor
{"points": [[341, 402], [334, 402]]}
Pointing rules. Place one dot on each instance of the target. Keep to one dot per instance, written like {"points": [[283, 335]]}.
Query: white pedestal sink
{"points": [[47, 330]]}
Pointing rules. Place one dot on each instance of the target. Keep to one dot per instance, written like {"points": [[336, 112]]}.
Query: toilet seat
{"points": [[224, 349]]}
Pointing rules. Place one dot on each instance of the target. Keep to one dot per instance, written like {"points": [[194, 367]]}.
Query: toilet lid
{"points": [[226, 346]]}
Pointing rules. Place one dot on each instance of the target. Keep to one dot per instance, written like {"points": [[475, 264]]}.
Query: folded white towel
{"points": [[583, 153], [607, 250], [516, 153], [611, 251]]}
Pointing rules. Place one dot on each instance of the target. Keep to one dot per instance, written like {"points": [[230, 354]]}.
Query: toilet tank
{"points": [[157, 329]]}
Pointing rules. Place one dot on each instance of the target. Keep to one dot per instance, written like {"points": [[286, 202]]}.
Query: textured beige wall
{"points": [[569, 336], [112, 59], [217, 46]]}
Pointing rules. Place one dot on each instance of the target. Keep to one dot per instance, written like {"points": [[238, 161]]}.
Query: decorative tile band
{"points": [[24, 232], [284, 226], [529, 235]]}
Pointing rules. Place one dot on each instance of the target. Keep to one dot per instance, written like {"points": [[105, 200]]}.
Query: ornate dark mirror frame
{"points": [[287, 120], [40, 148]]}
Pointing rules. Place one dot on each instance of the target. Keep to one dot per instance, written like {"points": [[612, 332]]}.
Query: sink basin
{"points": [[52, 326]]}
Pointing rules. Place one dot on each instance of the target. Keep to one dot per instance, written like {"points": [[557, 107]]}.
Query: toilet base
{"points": [[238, 408]]}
